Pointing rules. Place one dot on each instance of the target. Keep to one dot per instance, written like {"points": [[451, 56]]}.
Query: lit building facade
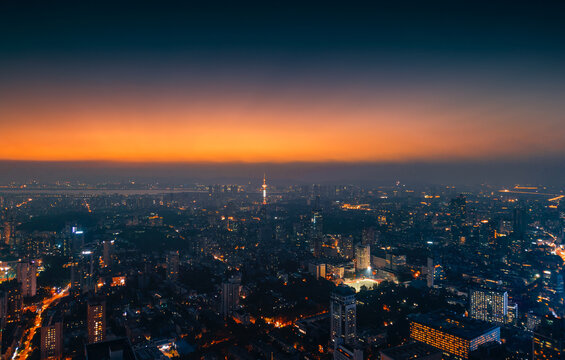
{"points": [[488, 305], [452, 334], [362, 257], [52, 341], [343, 312], [26, 273], [96, 319]]}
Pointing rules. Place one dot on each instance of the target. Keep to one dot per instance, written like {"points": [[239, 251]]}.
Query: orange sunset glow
{"points": [[256, 129]]}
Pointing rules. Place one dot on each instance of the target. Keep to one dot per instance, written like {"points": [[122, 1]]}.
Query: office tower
{"points": [[76, 238], [14, 304], [362, 257], [85, 269], [430, 272], [230, 295], [346, 248], [519, 222], [316, 230], [488, 305], [343, 316], [76, 276], [452, 334], [318, 270], [32, 247], [26, 274], [52, 341], [173, 261], [96, 321], [512, 314], [108, 252]]}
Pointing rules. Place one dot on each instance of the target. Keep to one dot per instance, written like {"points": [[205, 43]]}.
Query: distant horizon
{"points": [[547, 171]]}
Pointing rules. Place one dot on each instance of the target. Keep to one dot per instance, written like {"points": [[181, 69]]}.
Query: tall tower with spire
{"points": [[264, 189]]}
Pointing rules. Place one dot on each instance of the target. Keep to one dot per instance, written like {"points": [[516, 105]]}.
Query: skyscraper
{"points": [[173, 261], [264, 189], [52, 341], [96, 321], [230, 295], [488, 305], [108, 250], [316, 230], [26, 274], [346, 247], [362, 257], [14, 304], [343, 316]]}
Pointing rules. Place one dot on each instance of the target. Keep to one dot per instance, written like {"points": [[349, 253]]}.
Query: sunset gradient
{"points": [[181, 84]]}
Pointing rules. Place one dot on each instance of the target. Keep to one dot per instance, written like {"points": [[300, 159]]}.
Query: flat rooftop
{"points": [[453, 324]]}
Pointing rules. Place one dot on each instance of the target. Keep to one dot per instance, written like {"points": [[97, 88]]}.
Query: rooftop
{"points": [[453, 324]]}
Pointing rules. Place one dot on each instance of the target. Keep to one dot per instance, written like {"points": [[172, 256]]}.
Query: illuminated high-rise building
{"points": [[455, 335], [346, 248], [14, 304], [362, 257], [52, 341], [108, 251], [264, 189], [8, 232], [96, 321], [343, 316], [173, 262], [316, 228], [488, 305], [26, 274]]}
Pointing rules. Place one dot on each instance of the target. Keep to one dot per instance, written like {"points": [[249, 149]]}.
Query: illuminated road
{"points": [[559, 251], [26, 344]]}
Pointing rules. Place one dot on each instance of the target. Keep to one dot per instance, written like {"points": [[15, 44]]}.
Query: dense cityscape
{"points": [[258, 271], [279, 180]]}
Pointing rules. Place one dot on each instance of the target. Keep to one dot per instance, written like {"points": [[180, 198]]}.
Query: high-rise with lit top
{"points": [[264, 189]]}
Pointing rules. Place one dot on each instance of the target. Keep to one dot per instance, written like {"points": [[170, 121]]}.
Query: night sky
{"points": [[411, 82]]}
